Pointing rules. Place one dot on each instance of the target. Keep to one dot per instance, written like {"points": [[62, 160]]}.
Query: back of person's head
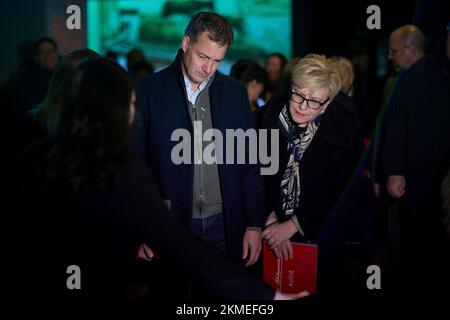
{"points": [[112, 55], [345, 69], [254, 77], [98, 102], [283, 92], [406, 46], [141, 69], [279, 56], [286, 74], [290, 66], [411, 36], [39, 42], [134, 56], [50, 109], [46, 53], [93, 136], [217, 27], [315, 72], [247, 71]]}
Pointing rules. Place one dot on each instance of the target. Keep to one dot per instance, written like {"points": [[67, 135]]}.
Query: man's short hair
{"points": [[411, 36], [219, 29]]}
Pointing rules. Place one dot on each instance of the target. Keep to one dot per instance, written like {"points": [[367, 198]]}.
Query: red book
{"points": [[293, 275]]}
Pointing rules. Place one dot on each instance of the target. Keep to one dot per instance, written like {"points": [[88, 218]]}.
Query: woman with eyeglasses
{"points": [[319, 146]]}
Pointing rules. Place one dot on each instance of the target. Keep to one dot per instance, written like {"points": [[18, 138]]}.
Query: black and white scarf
{"points": [[298, 140]]}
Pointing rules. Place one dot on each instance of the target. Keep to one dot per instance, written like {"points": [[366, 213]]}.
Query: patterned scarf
{"points": [[298, 141]]}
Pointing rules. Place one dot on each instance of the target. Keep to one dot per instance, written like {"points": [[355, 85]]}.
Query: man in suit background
{"points": [[415, 161]]}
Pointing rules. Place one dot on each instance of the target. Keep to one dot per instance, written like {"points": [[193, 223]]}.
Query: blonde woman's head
{"points": [[315, 82], [315, 72]]}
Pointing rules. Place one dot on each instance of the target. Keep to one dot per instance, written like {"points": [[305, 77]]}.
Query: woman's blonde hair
{"points": [[316, 72]]}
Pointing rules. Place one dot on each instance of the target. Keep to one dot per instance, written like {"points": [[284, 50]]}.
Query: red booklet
{"points": [[294, 275]]}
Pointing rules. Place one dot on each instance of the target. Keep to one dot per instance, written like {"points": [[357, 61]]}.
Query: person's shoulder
{"points": [[340, 121], [137, 170], [153, 78], [424, 73], [422, 67], [230, 82]]}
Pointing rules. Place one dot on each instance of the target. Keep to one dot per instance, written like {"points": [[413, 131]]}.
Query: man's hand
{"points": [[290, 296], [251, 246], [396, 186], [284, 250], [279, 233]]}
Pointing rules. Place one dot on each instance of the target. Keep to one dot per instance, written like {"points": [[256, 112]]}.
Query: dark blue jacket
{"points": [[161, 109]]}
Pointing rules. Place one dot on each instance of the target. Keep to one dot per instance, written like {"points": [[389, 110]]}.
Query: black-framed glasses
{"points": [[311, 103]]}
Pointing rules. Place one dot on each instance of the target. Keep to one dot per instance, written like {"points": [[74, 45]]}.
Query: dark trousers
{"points": [[211, 230]]}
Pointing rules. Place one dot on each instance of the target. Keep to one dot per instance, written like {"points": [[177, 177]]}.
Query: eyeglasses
{"points": [[311, 103]]}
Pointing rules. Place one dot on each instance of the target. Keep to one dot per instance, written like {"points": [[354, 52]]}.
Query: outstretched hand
{"points": [[290, 296]]}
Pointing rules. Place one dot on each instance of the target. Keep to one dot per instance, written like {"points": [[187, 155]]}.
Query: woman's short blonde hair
{"points": [[316, 72]]}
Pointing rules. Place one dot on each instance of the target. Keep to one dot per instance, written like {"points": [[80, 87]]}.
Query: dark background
{"points": [[327, 27]]}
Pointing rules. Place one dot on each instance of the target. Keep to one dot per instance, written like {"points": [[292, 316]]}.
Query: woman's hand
{"points": [[290, 296], [278, 233]]}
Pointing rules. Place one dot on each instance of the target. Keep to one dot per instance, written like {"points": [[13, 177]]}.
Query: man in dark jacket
{"points": [[416, 160], [406, 47], [219, 203]]}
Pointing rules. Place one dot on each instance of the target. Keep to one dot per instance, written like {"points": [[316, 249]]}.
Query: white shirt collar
{"points": [[191, 94]]}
